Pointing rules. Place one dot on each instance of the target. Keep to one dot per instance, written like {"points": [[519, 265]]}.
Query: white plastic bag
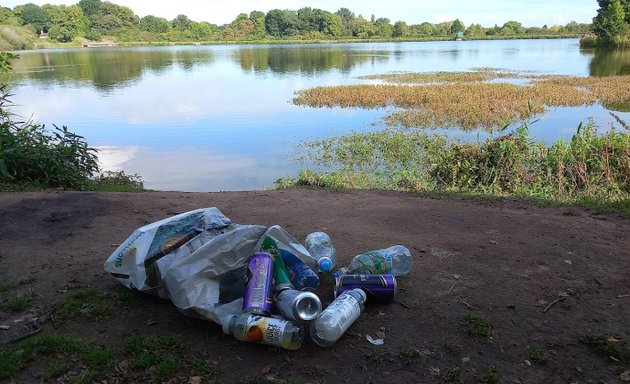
{"points": [[197, 259]]}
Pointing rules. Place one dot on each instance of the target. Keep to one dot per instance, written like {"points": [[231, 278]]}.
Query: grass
{"points": [[590, 170], [377, 355], [454, 375], [478, 325], [539, 355], [89, 304], [489, 375], [156, 356], [16, 304], [5, 285], [62, 354], [409, 355], [608, 347], [465, 99]]}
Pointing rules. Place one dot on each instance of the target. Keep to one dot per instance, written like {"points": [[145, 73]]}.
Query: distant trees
{"points": [[98, 19]]}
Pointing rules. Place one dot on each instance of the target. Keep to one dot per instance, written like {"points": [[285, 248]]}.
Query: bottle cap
{"points": [[226, 323], [356, 293], [325, 264]]}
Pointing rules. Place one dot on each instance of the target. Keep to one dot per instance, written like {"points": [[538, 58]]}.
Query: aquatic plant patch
{"points": [[465, 99]]}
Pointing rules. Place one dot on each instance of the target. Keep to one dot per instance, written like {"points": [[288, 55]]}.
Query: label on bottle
{"points": [[346, 309], [265, 330], [377, 263]]}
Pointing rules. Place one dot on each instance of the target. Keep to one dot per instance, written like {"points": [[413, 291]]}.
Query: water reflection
{"points": [[104, 68], [305, 60], [609, 62]]}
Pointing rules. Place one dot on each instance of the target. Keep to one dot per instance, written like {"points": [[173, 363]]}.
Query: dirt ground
{"points": [[542, 276]]}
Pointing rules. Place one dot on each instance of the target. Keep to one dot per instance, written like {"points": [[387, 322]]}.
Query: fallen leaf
{"points": [[151, 322], [380, 335], [374, 341], [465, 359], [4, 327], [568, 262], [194, 380], [435, 371], [266, 369], [541, 303], [492, 242], [457, 277], [528, 363], [611, 339]]}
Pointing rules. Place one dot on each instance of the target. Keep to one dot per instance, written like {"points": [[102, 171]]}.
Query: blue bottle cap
{"points": [[324, 264]]}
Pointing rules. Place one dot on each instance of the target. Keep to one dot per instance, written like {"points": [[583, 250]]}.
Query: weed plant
{"points": [[466, 99], [590, 169]]}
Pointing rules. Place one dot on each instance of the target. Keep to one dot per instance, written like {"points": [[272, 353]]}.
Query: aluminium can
{"points": [[378, 288], [258, 297], [299, 306]]}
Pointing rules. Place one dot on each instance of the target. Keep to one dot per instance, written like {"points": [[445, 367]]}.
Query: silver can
{"points": [[299, 306]]}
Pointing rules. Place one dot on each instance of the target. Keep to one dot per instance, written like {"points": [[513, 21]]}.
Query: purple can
{"points": [[258, 298], [378, 288]]}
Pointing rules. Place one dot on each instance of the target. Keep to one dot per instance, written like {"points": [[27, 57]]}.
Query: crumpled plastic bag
{"points": [[197, 259]]}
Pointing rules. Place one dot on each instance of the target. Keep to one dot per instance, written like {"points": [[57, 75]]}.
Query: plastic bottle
{"points": [[338, 317], [282, 280], [299, 306], [320, 247], [264, 330], [395, 260], [302, 277]]}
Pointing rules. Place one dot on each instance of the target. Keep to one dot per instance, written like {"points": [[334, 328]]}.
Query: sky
{"points": [[485, 12]]}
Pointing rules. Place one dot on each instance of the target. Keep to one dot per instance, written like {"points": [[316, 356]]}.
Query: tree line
{"points": [[95, 20]]}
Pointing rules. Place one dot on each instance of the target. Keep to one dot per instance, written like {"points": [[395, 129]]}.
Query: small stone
{"points": [[465, 359]]}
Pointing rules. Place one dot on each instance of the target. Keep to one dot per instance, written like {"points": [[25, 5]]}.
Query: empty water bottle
{"points": [[264, 330], [338, 317], [320, 247], [395, 260], [302, 277]]}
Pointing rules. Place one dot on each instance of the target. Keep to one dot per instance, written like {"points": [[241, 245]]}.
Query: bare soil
{"points": [[541, 275]]}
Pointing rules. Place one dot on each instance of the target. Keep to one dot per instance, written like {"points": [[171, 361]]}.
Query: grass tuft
{"points": [[478, 325]]}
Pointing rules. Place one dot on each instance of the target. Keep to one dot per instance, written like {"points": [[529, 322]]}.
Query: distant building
{"points": [[42, 34], [459, 36]]}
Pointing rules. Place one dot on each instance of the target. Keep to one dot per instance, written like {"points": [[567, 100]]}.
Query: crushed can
{"points": [[258, 297], [378, 288]]}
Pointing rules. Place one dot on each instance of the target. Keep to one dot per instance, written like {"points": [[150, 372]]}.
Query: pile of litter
{"points": [[257, 282]]}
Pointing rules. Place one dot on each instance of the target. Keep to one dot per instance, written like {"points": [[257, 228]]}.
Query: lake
{"points": [[217, 118]]}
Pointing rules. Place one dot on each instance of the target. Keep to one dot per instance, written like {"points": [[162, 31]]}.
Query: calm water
{"points": [[213, 118]]}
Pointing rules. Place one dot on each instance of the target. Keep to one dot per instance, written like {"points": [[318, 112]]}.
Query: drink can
{"points": [[299, 306], [378, 288], [258, 297]]}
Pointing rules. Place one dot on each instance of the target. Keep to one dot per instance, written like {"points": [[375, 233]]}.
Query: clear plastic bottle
{"points": [[320, 247], [302, 277], [264, 330], [395, 260], [338, 317]]}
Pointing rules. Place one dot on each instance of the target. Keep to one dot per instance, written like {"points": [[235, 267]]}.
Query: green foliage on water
{"points": [[591, 169]]}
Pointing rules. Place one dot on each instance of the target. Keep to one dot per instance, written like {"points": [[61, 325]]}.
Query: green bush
{"points": [[31, 154]]}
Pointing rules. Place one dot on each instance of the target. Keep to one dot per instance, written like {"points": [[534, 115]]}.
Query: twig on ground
{"points": [[461, 299], [452, 286], [554, 302], [403, 304], [26, 335], [620, 296]]}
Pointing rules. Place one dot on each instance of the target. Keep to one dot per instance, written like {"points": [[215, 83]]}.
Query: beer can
{"points": [[378, 288], [258, 297]]}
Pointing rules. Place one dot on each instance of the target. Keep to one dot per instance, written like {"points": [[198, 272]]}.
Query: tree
{"points": [[181, 22], [347, 18], [35, 15], [90, 7], [457, 27], [66, 22], [610, 21], [281, 23], [154, 24], [400, 29], [604, 4], [332, 25], [259, 24], [475, 31], [383, 27], [512, 28]]}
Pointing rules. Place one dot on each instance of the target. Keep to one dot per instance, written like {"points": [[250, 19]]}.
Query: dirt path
{"points": [[540, 276]]}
